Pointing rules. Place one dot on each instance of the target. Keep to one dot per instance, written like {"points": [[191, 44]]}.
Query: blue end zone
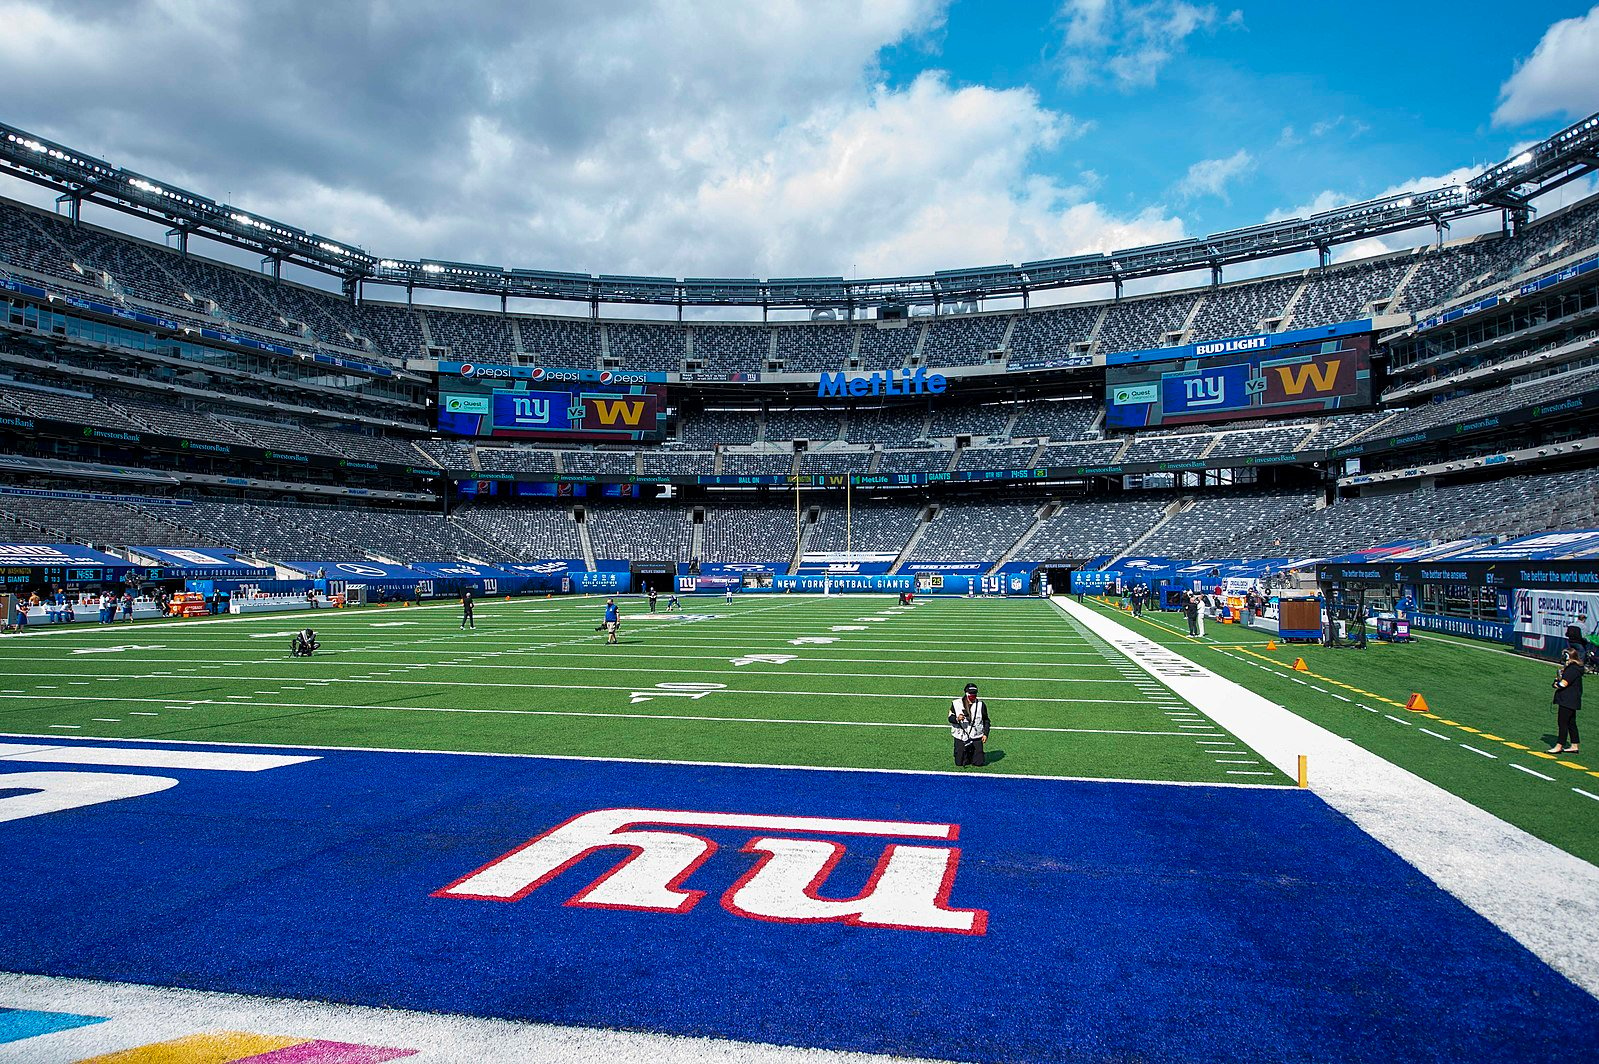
{"points": [[1125, 922]]}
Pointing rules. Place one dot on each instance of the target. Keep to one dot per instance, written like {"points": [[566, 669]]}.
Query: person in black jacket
{"points": [[968, 722], [1568, 699]]}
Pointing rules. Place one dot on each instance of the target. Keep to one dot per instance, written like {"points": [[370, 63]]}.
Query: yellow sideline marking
{"points": [[1431, 716]]}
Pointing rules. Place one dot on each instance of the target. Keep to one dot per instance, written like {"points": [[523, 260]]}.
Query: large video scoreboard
{"points": [[1318, 377], [520, 409]]}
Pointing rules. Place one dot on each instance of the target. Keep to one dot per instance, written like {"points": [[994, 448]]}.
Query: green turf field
{"points": [[1484, 737], [854, 682]]}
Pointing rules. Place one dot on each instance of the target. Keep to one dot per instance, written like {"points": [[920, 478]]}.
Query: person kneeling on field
{"points": [[968, 722], [304, 644]]}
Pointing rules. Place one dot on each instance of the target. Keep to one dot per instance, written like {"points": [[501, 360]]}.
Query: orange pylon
{"points": [[1271, 644], [1417, 703], [1300, 666]]}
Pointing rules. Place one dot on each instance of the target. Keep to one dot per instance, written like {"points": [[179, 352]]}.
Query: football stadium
{"points": [[407, 658]]}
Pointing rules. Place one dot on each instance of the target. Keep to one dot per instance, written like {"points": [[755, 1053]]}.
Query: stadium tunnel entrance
{"points": [[655, 576], [1059, 577]]}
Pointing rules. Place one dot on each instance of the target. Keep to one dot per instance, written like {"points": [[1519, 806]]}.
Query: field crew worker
{"points": [[1568, 699], [613, 621], [653, 599], [467, 615], [968, 722]]}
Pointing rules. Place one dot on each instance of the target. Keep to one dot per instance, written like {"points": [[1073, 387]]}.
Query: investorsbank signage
{"points": [[921, 382]]}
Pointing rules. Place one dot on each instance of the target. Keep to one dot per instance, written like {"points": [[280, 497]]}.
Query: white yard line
{"points": [[594, 687], [1515, 880], [384, 707], [954, 773]]}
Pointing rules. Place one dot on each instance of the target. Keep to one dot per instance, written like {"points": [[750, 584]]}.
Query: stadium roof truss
{"points": [[1508, 186]]}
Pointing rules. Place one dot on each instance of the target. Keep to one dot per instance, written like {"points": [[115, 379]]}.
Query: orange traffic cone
{"points": [[1300, 666], [1417, 703], [1271, 644]]}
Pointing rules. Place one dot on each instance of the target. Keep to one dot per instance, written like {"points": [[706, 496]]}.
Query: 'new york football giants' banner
{"points": [[1316, 377]]}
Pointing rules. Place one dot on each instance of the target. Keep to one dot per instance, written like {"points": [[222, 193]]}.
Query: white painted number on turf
{"points": [[762, 659], [805, 639], [676, 690], [115, 650]]}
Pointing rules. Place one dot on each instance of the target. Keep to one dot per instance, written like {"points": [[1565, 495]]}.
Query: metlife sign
{"points": [[906, 383]]}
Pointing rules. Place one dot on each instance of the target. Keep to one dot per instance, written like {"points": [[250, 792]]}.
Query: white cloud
{"points": [[1126, 43], [1210, 177], [635, 136], [1561, 77]]}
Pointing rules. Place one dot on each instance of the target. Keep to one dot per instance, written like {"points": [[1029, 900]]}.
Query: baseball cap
{"points": [[971, 689]]}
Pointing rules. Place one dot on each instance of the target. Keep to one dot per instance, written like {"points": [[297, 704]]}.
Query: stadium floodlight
{"points": [[1522, 160]]}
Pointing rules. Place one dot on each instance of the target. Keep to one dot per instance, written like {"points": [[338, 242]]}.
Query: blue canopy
{"points": [[363, 572]]}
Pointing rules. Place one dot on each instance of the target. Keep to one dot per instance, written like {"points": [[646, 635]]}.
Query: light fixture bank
{"points": [[921, 382]]}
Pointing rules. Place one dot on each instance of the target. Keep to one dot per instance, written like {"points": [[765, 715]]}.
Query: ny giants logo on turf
{"points": [[908, 890]]}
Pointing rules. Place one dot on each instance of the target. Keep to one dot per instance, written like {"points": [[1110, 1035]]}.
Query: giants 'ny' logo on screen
{"points": [[1205, 391], [909, 889]]}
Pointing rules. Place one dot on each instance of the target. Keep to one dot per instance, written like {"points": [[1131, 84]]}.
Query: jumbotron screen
{"points": [[504, 409], [1322, 377]]}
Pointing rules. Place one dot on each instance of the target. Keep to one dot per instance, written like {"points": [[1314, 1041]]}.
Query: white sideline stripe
{"points": [[99, 755], [144, 1015], [1512, 878], [1530, 772], [666, 761]]}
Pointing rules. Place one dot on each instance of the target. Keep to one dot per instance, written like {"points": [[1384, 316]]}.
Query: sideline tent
{"points": [[372, 573], [187, 563]]}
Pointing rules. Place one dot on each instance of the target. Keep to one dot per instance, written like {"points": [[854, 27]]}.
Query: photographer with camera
{"points": [[1568, 699], [968, 723]]}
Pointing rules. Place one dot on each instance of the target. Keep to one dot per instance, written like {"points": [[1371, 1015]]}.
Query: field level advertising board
{"points": [[524, 410], [1320, 377]]}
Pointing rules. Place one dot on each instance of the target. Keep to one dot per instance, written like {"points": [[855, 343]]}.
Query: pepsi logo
{"points": [[538, 373], [606, 376], [468, 369]]}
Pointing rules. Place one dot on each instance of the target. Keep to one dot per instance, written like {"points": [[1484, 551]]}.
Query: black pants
{"points": [[1568, 727], [469, 619], [969, 753]]}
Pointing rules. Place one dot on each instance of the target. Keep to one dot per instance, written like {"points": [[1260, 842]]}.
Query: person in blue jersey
{"points": [[612, 622], [728, 598], [672, 603]]}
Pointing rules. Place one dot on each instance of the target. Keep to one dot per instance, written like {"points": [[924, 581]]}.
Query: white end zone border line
{"points": [[142, 1015], [1540, 895]]}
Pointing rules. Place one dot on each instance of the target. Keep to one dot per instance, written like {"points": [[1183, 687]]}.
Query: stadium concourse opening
{"points": [[507, 811]]}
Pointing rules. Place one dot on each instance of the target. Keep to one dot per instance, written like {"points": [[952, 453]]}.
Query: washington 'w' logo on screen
{"points": [[1294, 378], [629, 412], [909, 888], [1318, 377]]}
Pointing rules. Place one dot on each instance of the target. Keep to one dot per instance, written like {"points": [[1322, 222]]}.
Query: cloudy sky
{"points": [[789, 137]]}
